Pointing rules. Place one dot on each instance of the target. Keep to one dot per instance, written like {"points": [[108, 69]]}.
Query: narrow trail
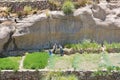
{"points": [[21, 63], [103, 50]]}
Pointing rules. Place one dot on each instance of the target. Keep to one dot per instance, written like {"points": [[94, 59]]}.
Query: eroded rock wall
{"points": [[42, 31]]}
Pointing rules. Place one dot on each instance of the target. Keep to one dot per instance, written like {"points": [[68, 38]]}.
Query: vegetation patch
{"points": [[61, 62], [85, 44], [9, 63], [36, 60], [59, 76], [112, 47], [68, 7]]}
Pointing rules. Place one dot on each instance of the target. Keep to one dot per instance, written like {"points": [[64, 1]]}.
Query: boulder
{"points": [[5, 34], [98, 12]]}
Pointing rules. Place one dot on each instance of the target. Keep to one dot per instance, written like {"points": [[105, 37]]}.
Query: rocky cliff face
{"points": [[96, 22]]}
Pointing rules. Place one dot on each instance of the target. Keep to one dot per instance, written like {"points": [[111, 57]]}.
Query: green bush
{"points": [[36, 60], [68, 7], [9, 63]]}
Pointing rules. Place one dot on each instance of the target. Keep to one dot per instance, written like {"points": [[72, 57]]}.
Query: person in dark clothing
{"points": [[15, 20], [54, 48], [61, 50], [50, 52]]}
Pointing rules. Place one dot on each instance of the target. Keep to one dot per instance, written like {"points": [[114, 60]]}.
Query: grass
{"points": [[63, 62], [52, 61], [89, 61], [9, 63], [75, 61], [85, 61], [36, 60], [85, 44], [59, 62], [112, 45], [115, 59], [106, 60]]}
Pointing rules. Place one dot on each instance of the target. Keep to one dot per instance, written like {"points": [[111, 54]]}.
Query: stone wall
{"points": [[38, 75]]}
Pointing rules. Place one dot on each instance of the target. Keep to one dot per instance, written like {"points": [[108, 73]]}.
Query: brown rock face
{"points": [[42, 31]]}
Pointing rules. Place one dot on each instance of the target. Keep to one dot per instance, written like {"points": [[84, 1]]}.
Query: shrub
{"points": [[36, 60], [68, 7], [34, 11], [27, 9], [19, 14], [47, 12]]}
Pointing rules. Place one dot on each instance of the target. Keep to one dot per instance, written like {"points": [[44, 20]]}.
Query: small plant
{"points": [[19, 15], [36, 60], [27, 9], [47, 12], [34, 11], [68, 7]]}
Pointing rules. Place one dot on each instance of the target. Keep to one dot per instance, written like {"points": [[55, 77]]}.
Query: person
{"points": [[50, 53], [54, 48], [15, 20], [61, 50]]}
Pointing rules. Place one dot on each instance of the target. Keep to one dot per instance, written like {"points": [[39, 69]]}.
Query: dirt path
{"points": [[21, 63]]}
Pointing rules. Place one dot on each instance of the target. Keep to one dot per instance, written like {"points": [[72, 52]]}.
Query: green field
{"points": [[83, 61], [77, 61], [9, 63], [36, 60]]}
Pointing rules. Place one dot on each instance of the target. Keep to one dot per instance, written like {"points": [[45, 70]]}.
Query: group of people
{"points": [[55, 48]]}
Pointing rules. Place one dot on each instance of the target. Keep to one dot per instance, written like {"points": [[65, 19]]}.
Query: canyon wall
{"points": [[36, 32]]}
